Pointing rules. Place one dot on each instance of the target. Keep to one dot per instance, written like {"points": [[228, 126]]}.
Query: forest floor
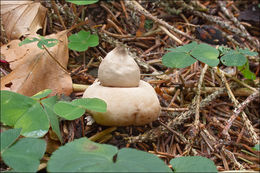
{"points": [[201, 114]]}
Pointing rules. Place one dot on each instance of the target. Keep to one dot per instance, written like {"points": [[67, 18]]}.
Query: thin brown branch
{"points": [[197, 109], [45, 48], [137, 7], [238, 110], [247, 122], [58, 13]]}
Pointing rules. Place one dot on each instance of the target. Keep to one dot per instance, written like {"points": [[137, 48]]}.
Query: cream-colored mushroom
{"points": [[125, 106], [118, 69], [130, 101]]}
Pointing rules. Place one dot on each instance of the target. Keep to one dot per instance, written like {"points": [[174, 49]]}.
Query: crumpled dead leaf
{"points": [[21, 18], [34, 70]]}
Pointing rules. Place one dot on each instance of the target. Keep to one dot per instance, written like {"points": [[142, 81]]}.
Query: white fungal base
{"points": [[125, 106]]}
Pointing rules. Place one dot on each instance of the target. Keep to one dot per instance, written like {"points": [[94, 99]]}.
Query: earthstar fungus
{"points": [[130, 101]]}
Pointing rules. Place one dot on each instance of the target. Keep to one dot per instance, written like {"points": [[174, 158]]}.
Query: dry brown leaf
{"points": [[34, 70], [21, 18]]}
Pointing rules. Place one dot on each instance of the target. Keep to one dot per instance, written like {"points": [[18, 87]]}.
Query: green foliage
{"points": [[193, 164], [181, 56], [205, 53], [83, 155], [52, 117], [148, 24], [48, 42], [76, 108], [223, 50], [184, 56], [82, 2], [142, 161], [236, 57], [19, 111], [233, 58], [28, 40], [8, 137], [185, 48], [82, 40], [257, 147], [181, 60], [25, 154], [42, 94], [247, 52], [246, 71]]}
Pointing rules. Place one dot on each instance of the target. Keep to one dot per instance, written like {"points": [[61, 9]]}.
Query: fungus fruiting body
{"points": [[118, 69], [130, 101]]}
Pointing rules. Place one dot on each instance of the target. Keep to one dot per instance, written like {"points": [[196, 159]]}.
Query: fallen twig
{"points": [[156, 132], [219, 22], [137, 7], [184, 116], [232, 158], [202, 74], [238, 110], [247, 122], [235, 21]]}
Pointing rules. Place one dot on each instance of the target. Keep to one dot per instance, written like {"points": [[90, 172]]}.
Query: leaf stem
{"points": [[55, 59], [102, 134]]}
